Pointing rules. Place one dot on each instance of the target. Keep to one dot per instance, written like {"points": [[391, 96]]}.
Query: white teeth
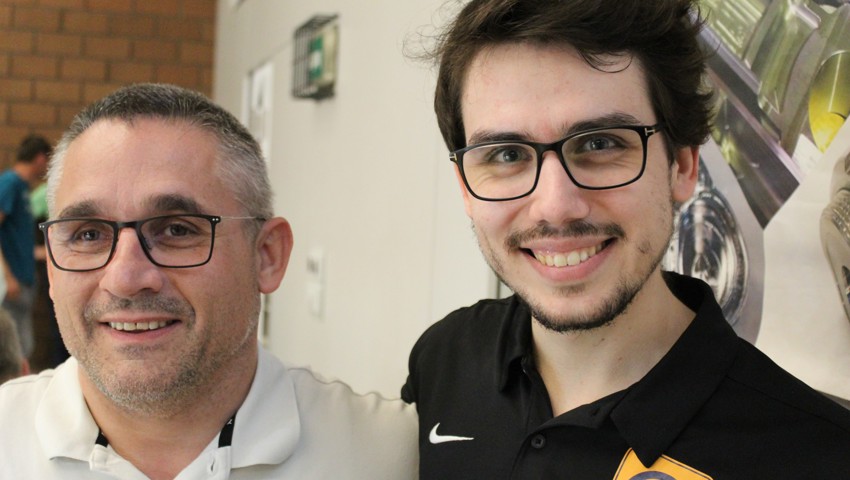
{"points": [[129, 327], [568, 259]]}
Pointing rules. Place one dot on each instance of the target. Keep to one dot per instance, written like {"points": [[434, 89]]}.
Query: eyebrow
{"points": [[616, 119], [610, 120], [167, 203], [85, 208], [175, 203]]}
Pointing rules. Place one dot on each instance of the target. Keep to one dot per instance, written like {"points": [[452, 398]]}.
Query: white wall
{"points": [[364, 177]]}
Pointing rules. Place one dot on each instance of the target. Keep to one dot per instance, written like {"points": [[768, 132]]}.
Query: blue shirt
{"points": [[17, 231]]}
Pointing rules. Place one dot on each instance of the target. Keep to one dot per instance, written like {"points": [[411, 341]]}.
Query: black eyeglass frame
{"points": [[137, 226], [645, 131]]}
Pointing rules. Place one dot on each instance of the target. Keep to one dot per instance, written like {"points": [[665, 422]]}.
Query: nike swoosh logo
{"points": [[436, 438]]}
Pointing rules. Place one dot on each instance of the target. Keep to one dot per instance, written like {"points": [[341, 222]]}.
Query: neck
{"points": [[162, 443], [581, 367]]}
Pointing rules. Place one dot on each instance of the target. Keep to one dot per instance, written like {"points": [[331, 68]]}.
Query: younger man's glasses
{"points": [[597, 159]]}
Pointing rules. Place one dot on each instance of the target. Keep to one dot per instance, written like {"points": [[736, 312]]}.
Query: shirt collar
{"points": [[661, 405], [266, 432], [63, 422], [514, 341], [267, 424], [653, 412]]}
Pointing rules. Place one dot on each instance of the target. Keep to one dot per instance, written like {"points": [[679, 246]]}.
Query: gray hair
{"points": [[11, 358], [240, 165]]}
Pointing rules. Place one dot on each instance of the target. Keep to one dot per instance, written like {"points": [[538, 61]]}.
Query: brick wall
{"points": [[56, 56]]}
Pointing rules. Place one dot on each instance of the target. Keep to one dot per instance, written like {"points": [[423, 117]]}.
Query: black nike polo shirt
{"points": [[713, 407]]}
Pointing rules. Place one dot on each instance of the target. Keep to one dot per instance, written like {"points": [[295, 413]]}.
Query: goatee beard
{"points": [[572, 323], [611, 307]]}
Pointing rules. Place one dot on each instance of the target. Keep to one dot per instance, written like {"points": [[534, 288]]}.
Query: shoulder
{"points": [[20, 399], [10, 180], [484, 321], [480, 330], [470, 345], [12, 192], [7, 188], [762, 422], [756, 373], [317, 393], [22, 392], [368, 431]]}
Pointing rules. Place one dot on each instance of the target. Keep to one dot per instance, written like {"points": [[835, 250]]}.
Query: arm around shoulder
{"points": [[363, 435]]}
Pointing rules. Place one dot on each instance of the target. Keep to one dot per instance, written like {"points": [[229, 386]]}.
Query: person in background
{"points": [[49, 350], [161, 241], [12, 361], [17, 238], [574, 128]]}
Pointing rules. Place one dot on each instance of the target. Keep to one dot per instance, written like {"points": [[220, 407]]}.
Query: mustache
{"points": [[578, 228], [148, 303]]}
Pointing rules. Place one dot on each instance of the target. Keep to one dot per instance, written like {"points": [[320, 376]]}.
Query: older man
{"points": [[161, 241]]}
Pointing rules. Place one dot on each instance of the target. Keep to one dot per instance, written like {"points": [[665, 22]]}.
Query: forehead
{"points": [[119, 169], [525, 87]]}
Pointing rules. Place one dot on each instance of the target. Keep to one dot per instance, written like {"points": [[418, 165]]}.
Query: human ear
{"points": [[274, 246], [467, 198], [684, 173]]}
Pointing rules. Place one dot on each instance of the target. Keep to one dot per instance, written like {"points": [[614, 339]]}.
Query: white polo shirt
{"points": [[292, 425]]}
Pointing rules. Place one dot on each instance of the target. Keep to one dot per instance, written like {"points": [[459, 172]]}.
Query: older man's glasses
{"points": [[596, 159], [173, 241]]}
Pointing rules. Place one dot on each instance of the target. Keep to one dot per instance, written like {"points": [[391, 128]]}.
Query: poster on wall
{"points": [[769, 225], [257, 114]]}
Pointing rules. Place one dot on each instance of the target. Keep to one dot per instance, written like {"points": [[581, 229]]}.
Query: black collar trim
{"points": [[225, 438]]}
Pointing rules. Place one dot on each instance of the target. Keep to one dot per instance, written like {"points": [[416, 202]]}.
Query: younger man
{"points": [[574, 126]]}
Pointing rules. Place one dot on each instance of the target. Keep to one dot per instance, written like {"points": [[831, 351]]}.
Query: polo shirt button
{"points": [[538, 442]]}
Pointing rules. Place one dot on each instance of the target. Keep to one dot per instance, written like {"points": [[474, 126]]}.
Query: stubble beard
{"points": [[164, 390], [610, 308]]}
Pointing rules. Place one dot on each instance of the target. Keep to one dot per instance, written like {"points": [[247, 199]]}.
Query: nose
{"points": [[130, 272], [557, 200]]}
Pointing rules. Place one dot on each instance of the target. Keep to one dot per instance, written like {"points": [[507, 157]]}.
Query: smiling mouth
{"points": [[139, 326], [567, 259]]}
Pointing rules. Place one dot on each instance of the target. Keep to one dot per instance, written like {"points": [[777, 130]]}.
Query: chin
{"points": [[572, 323], [567, 318]]}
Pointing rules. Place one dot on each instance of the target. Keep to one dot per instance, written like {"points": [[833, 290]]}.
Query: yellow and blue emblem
{"points": [[665, 468]]}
